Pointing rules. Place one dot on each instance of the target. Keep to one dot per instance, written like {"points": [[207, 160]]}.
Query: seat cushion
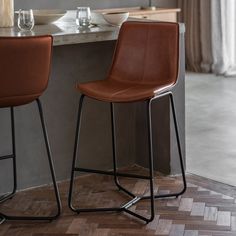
{"points": [[111, 90], [146, 62]]}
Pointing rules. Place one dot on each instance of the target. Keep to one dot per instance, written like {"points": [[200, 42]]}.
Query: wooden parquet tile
{"points": [[207, 208]]}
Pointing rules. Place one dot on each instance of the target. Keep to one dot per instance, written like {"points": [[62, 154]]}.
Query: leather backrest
{"points": [[24, 68], [147, 52]]}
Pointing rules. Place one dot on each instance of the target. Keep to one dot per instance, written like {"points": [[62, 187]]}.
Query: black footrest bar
{"points": [[2, 219], [126, 191], [112, 173], [169, 195], [7, 157], [161, 196], [5, 197], [115, 209], [137, 215], [25, 218]]}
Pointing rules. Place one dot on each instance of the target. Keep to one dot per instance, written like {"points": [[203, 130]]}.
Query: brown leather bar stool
{"points": [[25, 67], [145, 68]]}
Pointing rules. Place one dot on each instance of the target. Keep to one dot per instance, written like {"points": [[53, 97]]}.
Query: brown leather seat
{"points": [[24, 68], [145, 63]]}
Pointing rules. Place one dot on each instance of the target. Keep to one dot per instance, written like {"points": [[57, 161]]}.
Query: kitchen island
{"points": [[65, 31], [84, 55]]}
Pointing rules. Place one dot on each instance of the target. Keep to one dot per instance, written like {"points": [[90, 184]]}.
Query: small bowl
{"points": [[44, 17], [116, 18]]}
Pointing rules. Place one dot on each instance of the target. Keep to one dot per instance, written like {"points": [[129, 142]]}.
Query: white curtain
{"points": [[6, 13], [224, 36], [210, 35]]}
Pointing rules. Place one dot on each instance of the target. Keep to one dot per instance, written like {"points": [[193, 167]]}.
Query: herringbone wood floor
{"points": [[207, 208]]}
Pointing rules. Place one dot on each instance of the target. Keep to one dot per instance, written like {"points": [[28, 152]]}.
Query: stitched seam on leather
{"points": [[145, 55], [125, 90], [115, 78], [122, 91]]}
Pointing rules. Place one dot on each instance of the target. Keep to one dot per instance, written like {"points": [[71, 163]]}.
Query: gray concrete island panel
{"points": [[81, 56]]}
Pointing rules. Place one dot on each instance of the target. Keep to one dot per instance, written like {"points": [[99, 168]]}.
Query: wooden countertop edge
{"points": [[139, 11]]}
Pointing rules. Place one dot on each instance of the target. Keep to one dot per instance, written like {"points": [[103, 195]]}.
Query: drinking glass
{"points": [[25, 19], [83, 17]]}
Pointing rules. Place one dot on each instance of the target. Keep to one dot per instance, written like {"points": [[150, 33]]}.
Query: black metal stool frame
{"points": [[7, 196], [125, 207]]}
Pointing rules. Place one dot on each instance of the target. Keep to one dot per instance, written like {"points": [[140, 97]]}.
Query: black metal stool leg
{"points": [[39, 218], [113, 131], [125, 207], [51, 165], [74, 169], [179, 152], [179, 146], [75, 154], [14, 151], [151, 172], [115, 174], [13, 157]]}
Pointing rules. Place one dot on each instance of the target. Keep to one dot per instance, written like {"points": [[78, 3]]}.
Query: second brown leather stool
{"points": [[145, 68], [25, 64]]}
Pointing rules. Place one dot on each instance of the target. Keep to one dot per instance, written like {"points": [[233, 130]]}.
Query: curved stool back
{"points": [[147, 53], [25, 66]]}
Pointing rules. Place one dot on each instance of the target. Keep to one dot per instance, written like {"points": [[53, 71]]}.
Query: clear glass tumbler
{"points": [[25, 20], [83, 17]]}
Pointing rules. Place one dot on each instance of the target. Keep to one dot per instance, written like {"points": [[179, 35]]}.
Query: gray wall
{"points": [[94, 4]]}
